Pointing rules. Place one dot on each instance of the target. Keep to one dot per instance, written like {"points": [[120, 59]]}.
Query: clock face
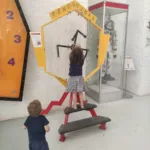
{"points": [[13, 50]]}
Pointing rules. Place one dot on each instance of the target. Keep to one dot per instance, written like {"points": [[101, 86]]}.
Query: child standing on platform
{"points": [[37, 126], [76, 81]]}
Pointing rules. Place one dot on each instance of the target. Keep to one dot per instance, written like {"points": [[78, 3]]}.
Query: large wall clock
{"points": [[14, 44]]}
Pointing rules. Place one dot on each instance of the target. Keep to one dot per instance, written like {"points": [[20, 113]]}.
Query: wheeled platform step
{"points": [[87, 106], [84, 123]]}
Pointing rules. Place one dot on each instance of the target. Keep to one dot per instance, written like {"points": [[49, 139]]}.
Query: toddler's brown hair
{"points": [[35, 108]]}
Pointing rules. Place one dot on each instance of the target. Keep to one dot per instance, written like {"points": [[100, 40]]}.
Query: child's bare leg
{"points": [[74, 100], [81, 96]]}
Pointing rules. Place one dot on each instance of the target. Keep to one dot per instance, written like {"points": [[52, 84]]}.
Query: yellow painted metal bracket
{"points": [[103, 45]]}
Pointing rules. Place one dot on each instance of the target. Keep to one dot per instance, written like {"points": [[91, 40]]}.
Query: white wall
{"points": [[145, 56], [39, 85], [138, 81]]}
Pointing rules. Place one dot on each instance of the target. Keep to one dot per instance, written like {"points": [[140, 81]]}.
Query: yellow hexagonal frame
{"points": [[61, 12]]}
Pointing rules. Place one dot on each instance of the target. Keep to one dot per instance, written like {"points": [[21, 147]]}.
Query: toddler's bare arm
{"points": [[24, 127], [47, 128]]}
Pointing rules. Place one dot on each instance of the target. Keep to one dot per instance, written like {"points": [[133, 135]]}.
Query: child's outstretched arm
{"points": [[86, 50]]}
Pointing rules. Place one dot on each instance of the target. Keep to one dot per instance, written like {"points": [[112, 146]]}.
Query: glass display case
{"points": [[108, 84]]}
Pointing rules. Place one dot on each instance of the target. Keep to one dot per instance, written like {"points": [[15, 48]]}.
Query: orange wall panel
{"points": [[13, 37]]}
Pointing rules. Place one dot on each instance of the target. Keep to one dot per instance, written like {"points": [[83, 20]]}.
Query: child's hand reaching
{"points": [[72, 46]]}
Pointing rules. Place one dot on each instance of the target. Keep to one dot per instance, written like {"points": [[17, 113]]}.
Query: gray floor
{"points": [[129, 129], [12, 135]]}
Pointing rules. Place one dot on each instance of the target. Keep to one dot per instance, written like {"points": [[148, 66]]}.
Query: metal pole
{"points": [[124, 79], [100, 72]]}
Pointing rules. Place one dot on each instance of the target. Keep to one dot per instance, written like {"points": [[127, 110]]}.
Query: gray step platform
{"points": [[84, 123], [87, 106]]}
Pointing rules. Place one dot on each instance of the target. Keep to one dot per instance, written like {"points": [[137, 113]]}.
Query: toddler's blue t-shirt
{"points": [[35, 127]]}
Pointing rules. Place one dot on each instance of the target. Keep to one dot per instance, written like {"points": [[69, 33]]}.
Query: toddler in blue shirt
{"points": [[37, 126]]}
